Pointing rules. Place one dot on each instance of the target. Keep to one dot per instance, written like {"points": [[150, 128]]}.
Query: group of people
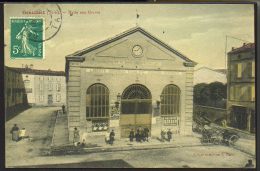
{"points": [[168, 133], [141, 135], [18, 134], [109, 138]]}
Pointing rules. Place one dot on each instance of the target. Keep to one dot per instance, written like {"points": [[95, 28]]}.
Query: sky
{"points": [[196, 30]]}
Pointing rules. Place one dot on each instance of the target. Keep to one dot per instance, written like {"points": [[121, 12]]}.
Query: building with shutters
{"points": [[41, 87], [130, 81], [241, 87]]}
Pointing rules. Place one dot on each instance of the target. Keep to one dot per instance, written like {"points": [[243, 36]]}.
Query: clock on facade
{"points": [[137, 50]]}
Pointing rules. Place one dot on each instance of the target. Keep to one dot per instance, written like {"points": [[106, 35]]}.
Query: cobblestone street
{"points": [[40, 124]]}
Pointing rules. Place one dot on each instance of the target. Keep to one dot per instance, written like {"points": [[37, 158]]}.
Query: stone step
{"points": [[60, 135]]}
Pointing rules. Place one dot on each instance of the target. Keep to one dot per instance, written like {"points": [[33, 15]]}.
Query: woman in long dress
{"points": [[107, 137], [76, 137], [23, 35], [15, 133]]}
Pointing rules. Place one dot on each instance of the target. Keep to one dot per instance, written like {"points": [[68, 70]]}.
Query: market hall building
{"points": [[129, 81]]}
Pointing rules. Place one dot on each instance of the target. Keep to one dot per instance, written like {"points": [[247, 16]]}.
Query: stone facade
{"points": [[118, 63], [41, 87], [241, 87]]}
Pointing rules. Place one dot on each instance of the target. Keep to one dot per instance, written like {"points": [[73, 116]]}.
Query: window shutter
{"points": [[253, 69], [239, 70]]}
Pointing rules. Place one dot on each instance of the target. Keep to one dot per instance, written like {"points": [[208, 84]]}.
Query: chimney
{"points": [[31, 66], [244, 44], [22, 65]]}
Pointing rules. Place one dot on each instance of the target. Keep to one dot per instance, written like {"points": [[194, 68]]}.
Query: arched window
{"points": [[97, 101], [170, 101], [136, 99]]}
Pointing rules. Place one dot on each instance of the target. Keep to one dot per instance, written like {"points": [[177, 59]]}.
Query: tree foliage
{"points": [[213, 94]]}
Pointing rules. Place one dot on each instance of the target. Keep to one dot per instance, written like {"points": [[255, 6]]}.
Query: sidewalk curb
{"points": [[151, 147], [129, 148]]}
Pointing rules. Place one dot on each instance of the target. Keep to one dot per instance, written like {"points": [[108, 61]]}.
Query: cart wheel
{"points": [[233, 139], [204, 139], [207, 139], [216, 141]]}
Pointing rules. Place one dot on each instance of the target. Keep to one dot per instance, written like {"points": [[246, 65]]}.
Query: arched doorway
{"points": [[136, 109]]}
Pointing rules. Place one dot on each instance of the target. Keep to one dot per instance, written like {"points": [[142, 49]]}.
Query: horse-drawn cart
{"points": [[218, 136]]}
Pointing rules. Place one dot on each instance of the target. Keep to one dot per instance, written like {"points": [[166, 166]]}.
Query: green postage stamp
{"points": [[27, 35]]}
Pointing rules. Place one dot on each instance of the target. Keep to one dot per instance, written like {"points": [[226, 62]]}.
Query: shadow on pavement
{"points": [[93, 164]]}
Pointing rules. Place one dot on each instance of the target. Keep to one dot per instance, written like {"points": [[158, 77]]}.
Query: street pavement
{"points": [[40, 124], [193, 157]]}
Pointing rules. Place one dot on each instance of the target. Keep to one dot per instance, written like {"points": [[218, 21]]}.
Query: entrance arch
{"points": [[136, 109]]}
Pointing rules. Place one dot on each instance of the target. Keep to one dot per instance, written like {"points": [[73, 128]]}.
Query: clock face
{"points": [[137, 50]]}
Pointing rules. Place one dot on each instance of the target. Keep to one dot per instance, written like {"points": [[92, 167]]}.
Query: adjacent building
{"points": [[209, 75], [241, 87], [14, 89], [130, 81], [41, 87]]}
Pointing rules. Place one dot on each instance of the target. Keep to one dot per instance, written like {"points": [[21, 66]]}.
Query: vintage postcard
{"points": [[129, 85]]}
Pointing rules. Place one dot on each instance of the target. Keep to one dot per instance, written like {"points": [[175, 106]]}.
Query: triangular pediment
{"points": [[117, 50], [122, 46]]}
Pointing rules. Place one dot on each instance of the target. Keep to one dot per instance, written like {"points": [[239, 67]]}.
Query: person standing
{"points": [[107, 137], [131, 135], [249, 164], [146, 133], [112, 137], [15, 133], [137, 135], [162, 135], [76, 137], [141, 134], [63, 109], [169, 135]]}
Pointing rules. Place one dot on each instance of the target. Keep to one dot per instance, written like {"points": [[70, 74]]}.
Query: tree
{"points": [[217, 92], [213, 94], [199, 93]]}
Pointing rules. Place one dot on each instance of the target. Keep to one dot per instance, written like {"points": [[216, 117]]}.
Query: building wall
{"points": [[47, 86], [15, 96], [28, 80], [116, 82], [39, 87], [114, 66], [241, 85], [25, 83]]}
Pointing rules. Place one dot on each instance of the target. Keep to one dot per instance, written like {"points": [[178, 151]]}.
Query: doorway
{"points": [[136, 109], [240, 117], [50, 99]]}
